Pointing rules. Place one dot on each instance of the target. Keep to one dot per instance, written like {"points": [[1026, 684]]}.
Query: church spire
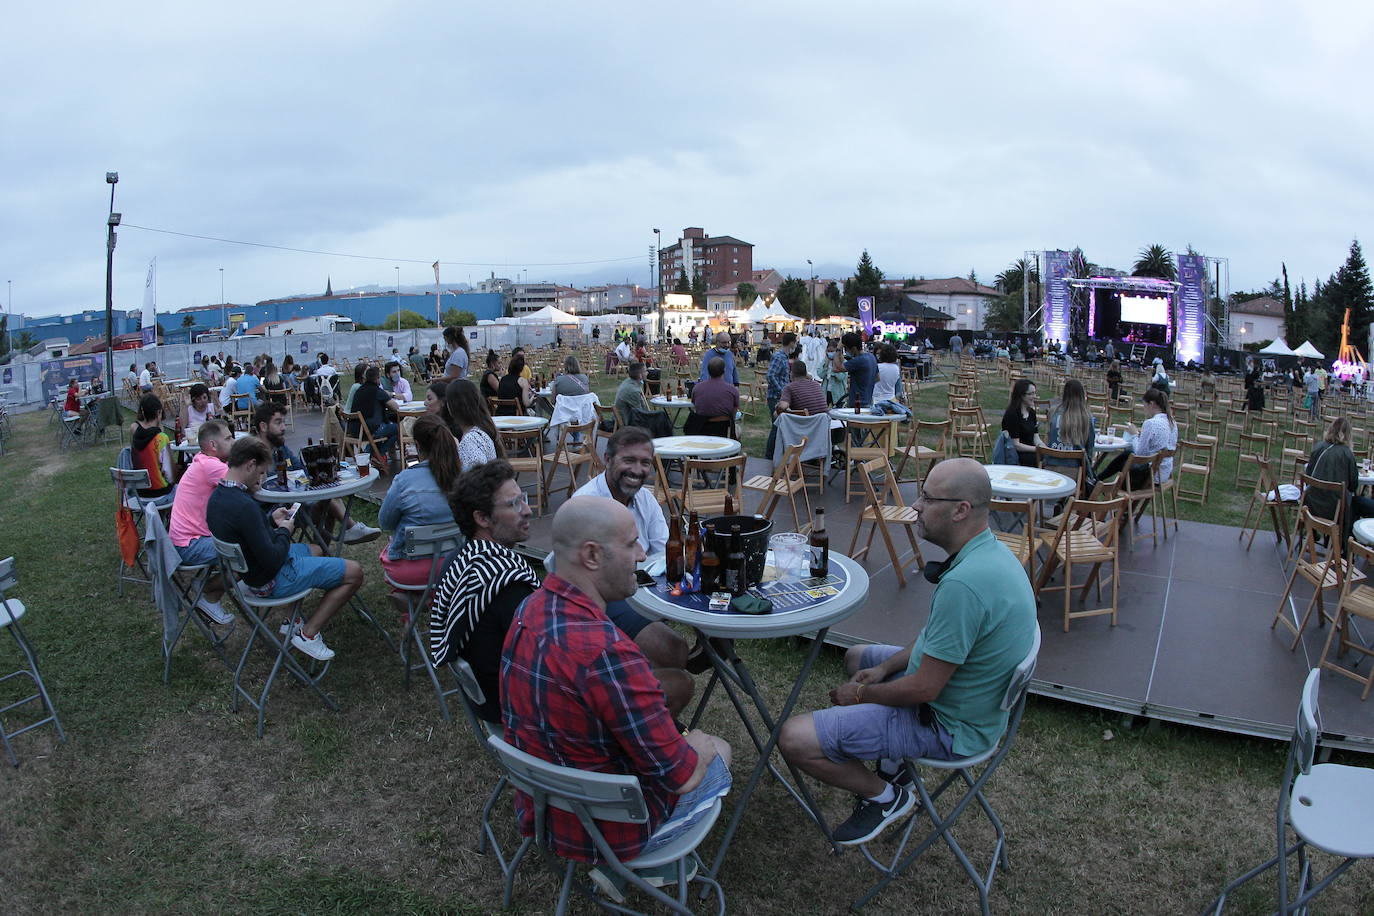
{"points": [[328, 287]]}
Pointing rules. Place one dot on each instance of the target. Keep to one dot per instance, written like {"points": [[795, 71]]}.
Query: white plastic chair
{"points": [[11, 609], [607, 797], [962, 770], [1330, 807]]}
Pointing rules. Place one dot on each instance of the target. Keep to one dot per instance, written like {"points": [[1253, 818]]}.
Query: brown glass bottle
{"points": [[729, 504], [673, 551], [736, 580], [691, 548], [820, 546], [710, 562]]}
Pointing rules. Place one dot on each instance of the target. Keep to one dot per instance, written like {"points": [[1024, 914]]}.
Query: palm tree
{"points": [[1014, 277], [1155, 261]]}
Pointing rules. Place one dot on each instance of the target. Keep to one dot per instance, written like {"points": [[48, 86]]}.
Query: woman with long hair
{"points": [[1072, 426], [1020, 422], [1334, 461], [456, 366], [1156, 433], [491, 378], [515, 387], [434, 397], [419, 496], [468, 419], [151, 448]]}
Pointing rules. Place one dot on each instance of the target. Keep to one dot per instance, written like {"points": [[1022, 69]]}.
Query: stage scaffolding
{"points": [[1217, 314]]}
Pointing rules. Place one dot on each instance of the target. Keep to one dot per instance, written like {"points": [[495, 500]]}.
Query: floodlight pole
{"points": [[811, 267], [658, 261], [111, 178], [398, 298]]}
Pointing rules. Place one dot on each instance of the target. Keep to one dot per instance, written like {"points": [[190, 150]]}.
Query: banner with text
{"points": [[1056, 304], [149, 323], [866, 313], [1192, 306]]}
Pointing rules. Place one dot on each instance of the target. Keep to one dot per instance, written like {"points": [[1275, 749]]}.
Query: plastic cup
{"points": [[789, 553], [364, 464]]}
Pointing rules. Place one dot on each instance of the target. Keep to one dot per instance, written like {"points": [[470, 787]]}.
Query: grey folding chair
{"points": [[11, 609], [433, 543], [473, 698], [960, 770], [176, 599], [1329, 806], [592, 796], [232, 566]]}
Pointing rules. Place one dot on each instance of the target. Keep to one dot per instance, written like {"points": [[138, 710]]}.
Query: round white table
{"points": [[1364, 531], [519, 424], [866, 416], [675, 404], [695, 447], [410, 408], [348, 484], [813, 621], [1012, 481], [1105, 445]]}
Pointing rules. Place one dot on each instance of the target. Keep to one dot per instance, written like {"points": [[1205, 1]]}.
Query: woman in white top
{"points": [[470, 422], [457, 365], [1157, 433], [198, 409], [887, 386]]}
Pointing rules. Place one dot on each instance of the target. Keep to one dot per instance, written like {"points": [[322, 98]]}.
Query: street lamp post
{"points": [[9, 310], [111, 178], [223, 311], [658, 262], [811, 267], [398, 297]]}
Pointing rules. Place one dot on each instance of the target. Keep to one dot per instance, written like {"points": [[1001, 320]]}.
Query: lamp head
{"points": [[113, 219], [112, 178]]}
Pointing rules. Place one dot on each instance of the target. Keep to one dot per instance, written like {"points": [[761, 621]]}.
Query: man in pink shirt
{"points": [[189, 532]]}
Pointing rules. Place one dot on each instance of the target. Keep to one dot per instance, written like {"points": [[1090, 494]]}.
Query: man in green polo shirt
{"points": [[941, 696]]}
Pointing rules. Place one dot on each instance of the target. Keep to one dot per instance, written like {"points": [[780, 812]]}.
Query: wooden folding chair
{"points": [[1088, 533], [1195, 462], [606, 413], [353, 443], [524, 450], [573, 455], [1059, 460], [1357, 602], [1320, 566], [787, 480], [1267, 496], [879, 513], [1295, 446], [936, 432], [1236, 419], [1138, 501], [710, 500], [879, 446], [505, 407], [1025, 542], [970, 433]]}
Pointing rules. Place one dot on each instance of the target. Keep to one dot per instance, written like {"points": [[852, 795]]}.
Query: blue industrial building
{"points": [[372, 309]]}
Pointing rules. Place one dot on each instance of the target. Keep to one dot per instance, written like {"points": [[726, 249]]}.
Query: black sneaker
{"points": [[871, 818], [901, 778]]}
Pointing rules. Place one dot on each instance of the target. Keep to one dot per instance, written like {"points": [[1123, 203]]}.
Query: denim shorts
{"points": [[692, 807], [303, 571], [871, 731], [200, 552]]}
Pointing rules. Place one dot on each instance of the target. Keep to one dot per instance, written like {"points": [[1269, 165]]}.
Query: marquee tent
{"points": [[1276, 348], [547, 315], [1307, 351]]}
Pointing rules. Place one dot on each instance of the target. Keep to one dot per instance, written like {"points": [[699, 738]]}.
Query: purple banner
{"points": [[1192, 306], [1056, 301], [150, 336], [866, 313]]}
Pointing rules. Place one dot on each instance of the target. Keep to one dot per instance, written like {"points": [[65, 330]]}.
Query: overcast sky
{"points": [[546, 136]]}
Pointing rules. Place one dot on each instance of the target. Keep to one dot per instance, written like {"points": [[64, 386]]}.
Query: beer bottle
{"points": [[180, 432], [710, 562], [673, 550], [735, 579], [820, 546], [729, 504]]}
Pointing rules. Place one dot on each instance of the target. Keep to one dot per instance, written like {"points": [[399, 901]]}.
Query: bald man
{"points": [[720, 349], [941, 696], [575, 690]]}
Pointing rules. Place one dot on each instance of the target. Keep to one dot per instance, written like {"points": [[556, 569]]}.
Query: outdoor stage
{"points": [[1192, 645]]}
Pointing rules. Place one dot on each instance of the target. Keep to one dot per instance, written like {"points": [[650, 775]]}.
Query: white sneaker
{"points": [[312, 646], [215, 612], [360, 533]]}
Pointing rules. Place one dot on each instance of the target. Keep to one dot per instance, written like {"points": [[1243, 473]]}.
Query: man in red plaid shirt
{"points": [[578, 692]]}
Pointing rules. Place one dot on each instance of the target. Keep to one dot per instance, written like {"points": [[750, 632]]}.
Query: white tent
{"points": [[1276, 348], [757, 312], [1307, 351], [547, 315], [780, 314]]}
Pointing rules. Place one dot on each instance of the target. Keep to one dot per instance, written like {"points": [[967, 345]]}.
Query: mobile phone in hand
{"points": [[291, 512]]}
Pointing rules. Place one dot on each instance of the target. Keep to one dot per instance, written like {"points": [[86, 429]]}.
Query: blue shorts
{"points": [[871, 731], [626, 618], [692, 807], [302, 570], [200, 552]]}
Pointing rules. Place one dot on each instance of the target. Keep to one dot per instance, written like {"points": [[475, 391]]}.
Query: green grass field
{"points": [[163, 800]]}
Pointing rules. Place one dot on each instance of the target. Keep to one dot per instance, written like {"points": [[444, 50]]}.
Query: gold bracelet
{"points": [[859, 694]]}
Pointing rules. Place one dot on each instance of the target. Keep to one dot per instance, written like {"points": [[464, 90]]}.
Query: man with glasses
{"points": [[486, 580], [941, 696]]}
